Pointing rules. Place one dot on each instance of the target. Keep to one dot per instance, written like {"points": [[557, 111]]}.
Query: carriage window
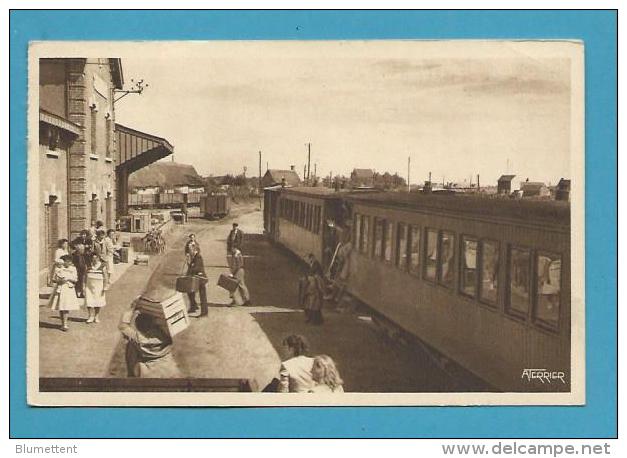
{"points": [[414, 249], [365, 234], [519, 284], [446, 266], [378, 237], [357, 229], [549, 282], [489, 271], [431, 254], [469, 266], [317, 222], [309, 215], [387, 241], [401, 246], [296, 213]]}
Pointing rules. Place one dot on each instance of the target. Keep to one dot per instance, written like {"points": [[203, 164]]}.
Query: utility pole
{"points": [[259, 179], [308, 161], [478, 186], [408, 168]]}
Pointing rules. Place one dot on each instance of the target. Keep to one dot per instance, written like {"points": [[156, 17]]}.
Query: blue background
{"points": [[597, 419]]}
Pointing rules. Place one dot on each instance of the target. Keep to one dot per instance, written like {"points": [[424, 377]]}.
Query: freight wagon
{"points": [[215, 206]]}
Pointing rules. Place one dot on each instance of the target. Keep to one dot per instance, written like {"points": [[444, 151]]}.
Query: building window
{"points": [[446, 264], [401, 246], [365, 234], [93, 130], [387, 241], [549, 281], [470, 248], [431, 255], [357, 231], [414, 250], [519, 281], [378, 237], [108, 136], [489, 271]]}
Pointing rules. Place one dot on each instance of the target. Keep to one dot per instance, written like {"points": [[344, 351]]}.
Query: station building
{"points": [[82, 166]]}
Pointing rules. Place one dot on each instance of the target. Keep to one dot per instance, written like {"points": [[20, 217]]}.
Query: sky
{"points": [[456, 116]]}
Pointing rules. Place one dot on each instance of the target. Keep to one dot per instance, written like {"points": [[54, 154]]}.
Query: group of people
{"points": [[301, 373], [196, 267], [315, 287], [81, 272]]}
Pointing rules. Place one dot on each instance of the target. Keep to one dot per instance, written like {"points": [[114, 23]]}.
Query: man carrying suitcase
{"points": [[196, 267]]}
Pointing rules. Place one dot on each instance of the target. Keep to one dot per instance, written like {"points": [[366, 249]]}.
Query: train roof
{"points": [[314, 191], [550, 211]]}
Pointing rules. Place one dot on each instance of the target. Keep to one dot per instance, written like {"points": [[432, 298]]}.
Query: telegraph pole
{"points": [[259, 179], [308, 161], [408, 168]]}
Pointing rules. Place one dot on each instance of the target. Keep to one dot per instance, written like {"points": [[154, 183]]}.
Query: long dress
{"points": [[64, 296], [313, 298], [95, 283], [149, 355]]}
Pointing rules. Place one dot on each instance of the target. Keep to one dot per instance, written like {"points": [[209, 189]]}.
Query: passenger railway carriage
{"points": [[484, 281]]}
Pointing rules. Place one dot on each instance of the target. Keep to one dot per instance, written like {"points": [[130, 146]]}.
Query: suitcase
{"points": [[187, 284], [124, 255], [169, 310], [142, 259], [227, 282]]}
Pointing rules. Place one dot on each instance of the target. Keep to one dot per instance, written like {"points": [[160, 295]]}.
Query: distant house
{"points": [[276, 177], [362, 178], [534, 189], [166, 177], [505, 184], [563, 190]]}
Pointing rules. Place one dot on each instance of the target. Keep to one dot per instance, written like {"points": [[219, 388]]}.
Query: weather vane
{"points": [[137, 88]]}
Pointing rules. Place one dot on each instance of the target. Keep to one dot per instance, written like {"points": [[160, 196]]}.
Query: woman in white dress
{"points": [[325, 376], [63, 296], [96, 283], [109, 243], [62, 249]]}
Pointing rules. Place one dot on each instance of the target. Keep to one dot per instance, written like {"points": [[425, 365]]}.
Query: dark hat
{"points": [[235, 224]]}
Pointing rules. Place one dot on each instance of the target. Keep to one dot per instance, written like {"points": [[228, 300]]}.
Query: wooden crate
{"points": [[171, 312], [142, 259]]}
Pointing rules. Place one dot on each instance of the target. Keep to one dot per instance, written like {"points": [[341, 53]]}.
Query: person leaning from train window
{"points": [[241, 296], [325, 376], [148, 348], [196, 267]]}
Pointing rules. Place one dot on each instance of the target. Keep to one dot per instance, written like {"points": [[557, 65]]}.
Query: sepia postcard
{"points": [[306, 223]]}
